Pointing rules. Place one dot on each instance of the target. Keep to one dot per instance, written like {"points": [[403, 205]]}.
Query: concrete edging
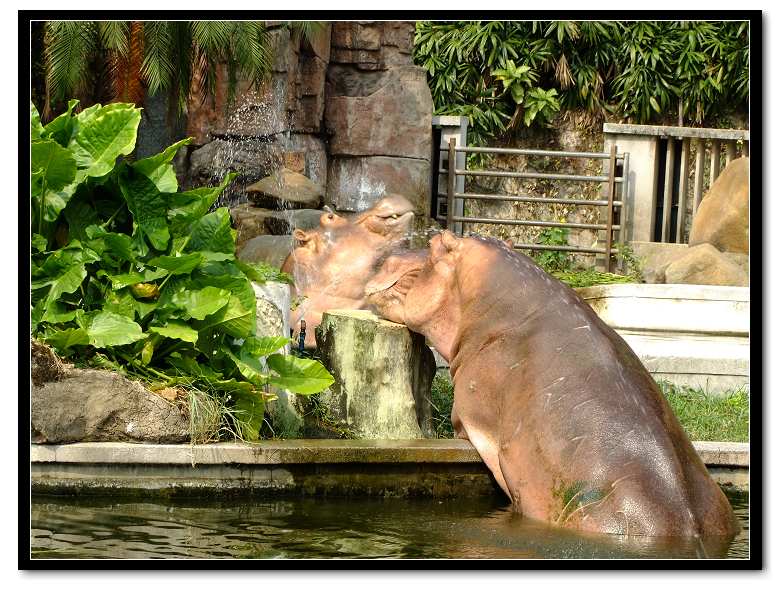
{"points": [[384, 468]]}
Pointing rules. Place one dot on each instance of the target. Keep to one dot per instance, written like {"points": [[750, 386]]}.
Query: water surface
{"points": [[326, 528]]}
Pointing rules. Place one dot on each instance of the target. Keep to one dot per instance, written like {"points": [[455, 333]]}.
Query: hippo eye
{"points": [[394, 216], [330, 216]]}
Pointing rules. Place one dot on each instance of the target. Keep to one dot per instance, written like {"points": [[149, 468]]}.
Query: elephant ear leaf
{"points": [[304, 376], [105, 328], [104, 136]]}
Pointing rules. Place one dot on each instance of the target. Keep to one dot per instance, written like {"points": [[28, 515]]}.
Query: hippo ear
{"points": [[450, 241], [300, 235]]}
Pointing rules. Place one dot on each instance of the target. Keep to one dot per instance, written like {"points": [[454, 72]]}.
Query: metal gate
{"points": [[614, 172]]}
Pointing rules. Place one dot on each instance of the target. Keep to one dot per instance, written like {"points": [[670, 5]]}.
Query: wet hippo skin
{"points": [[331, 262], [573, 427]]}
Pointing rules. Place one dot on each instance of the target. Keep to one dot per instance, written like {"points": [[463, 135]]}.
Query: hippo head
{"points": [[331, 262], [422, 288]]}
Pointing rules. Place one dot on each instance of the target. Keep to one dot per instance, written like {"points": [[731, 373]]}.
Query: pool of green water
{"points": [[336, 528]]}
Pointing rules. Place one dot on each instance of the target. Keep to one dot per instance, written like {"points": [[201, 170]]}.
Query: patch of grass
{"points": [[710, 416], [442, 394], [705, 415]]}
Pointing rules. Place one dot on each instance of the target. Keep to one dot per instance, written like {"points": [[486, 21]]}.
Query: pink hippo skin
{"points": [[573, 427], [330, 265]]}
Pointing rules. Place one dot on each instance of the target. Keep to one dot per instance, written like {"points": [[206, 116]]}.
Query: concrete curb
{"points": [[314, 451], [374, 468]]}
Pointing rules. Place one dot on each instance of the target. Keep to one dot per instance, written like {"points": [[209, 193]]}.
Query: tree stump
{"points": [[383, 374]]}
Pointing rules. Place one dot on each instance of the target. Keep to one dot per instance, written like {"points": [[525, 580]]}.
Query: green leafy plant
{"points": [[636, 264], [443, 396], [553, 260], [128, 272]]}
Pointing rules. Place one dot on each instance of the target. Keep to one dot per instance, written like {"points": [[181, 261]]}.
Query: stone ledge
{"points": [[314, 451]]}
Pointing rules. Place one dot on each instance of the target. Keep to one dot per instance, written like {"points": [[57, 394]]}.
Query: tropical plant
{"points": [[132, 275], [132, 58], [636, 70]]}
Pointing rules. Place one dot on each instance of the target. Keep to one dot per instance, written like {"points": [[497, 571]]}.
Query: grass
{"points": [[704, 415]]}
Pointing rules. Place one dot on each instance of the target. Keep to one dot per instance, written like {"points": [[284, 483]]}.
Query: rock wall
{"points": [[348, 109]]}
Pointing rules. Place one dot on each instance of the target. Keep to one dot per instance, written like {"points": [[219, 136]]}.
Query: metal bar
{"points": [[714, 161], [490, 220], [538, 175], [482, 150], [668, 191], [451, 184], [623, 194], [698, 179], [564, 248], [533, 199], [610, 199], [682, 195]]}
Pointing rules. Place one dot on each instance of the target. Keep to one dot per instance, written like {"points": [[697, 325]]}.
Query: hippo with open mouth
{"points": [[571, 424], [331, 262]]}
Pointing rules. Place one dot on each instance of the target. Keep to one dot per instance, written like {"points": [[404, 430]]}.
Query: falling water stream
{"points": [[336, 528]]}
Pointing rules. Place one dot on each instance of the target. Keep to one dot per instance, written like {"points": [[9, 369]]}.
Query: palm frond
{"points": [[69, 47]]}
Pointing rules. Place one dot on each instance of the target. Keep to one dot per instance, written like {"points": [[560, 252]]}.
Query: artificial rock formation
{"points": [[383, 375], [719, 245]]}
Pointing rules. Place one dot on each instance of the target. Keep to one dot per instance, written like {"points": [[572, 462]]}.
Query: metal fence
{"points": [[613, 215]]}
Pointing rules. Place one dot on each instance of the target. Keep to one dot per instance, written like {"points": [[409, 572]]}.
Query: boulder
{"points": [[393, 120], [272, 250], [249, 222], [355, 184], [704, 265], [285, 189], [282, 223], [373, 45], [723, 217], [86, 405], [372, 397]]}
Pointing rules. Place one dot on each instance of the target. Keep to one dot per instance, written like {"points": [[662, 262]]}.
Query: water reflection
{"points": [[103, 528]]}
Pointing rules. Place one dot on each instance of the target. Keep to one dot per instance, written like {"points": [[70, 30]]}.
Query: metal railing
{"points": [[614, 221], [682, 180]]}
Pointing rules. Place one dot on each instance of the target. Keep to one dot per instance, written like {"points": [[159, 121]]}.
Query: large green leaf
{"points": [[62, 340], [147, 208], [104, 136], [233, 319], [63, 271], [120, 302], [249, 408], [105, 328], [213, 233], [176, 329], [156, 168], [258, 347], [177, 265], [203, 302], [187, 207], [304, 376]]}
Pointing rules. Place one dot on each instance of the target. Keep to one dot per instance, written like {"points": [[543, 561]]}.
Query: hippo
{"points": [[331, 262], [574, 429]]}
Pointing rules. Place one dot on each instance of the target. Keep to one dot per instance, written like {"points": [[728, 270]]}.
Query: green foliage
{"points": [[590, 277], [147, 280], [553, 260], [711, 416], [443, 396], [634, 69], [636, 265]]}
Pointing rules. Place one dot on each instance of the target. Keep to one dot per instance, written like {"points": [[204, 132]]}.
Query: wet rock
{"points": [[723, 217], [272, 250], [103, 406], [374, 397], [392, 119], [285, 189], [356, 183], [704, 265], [249, 222], [282, 223]]}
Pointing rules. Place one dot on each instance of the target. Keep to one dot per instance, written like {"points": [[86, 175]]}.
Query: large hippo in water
{"points": [[573, 427], [331, 263]]}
